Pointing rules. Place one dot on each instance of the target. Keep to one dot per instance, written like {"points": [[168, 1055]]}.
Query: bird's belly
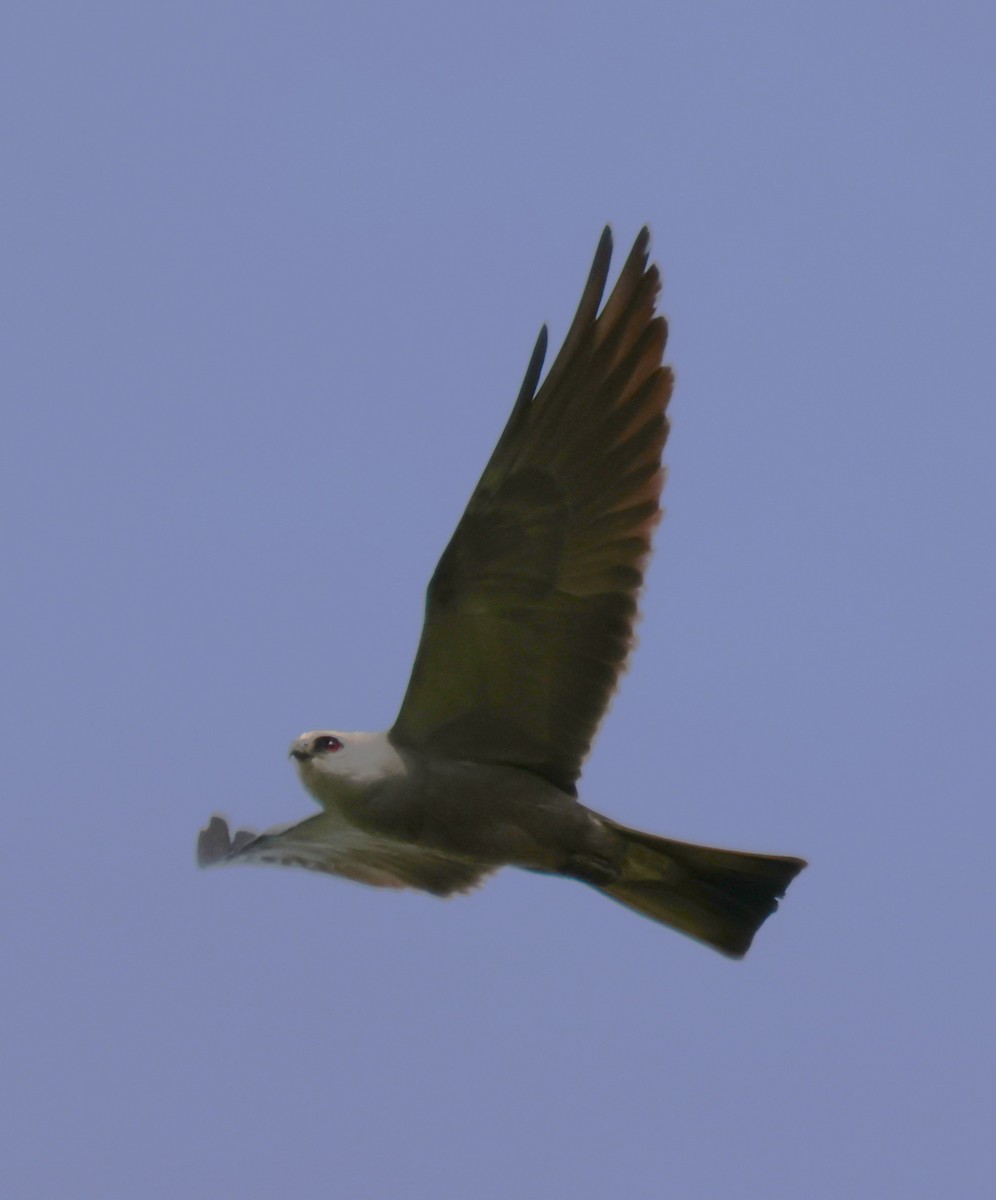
{"points": [[492, 815]]}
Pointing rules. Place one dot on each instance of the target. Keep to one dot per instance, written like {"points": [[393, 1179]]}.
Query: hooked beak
{"points": [[299, 752]]}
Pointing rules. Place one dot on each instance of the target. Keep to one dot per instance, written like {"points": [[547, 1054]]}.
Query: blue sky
{"points": [[271, 276]]}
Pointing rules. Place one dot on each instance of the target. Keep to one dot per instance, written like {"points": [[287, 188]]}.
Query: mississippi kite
{"points": [[528, 625]]}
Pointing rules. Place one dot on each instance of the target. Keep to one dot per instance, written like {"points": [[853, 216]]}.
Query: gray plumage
{"points": [[528, 625]]}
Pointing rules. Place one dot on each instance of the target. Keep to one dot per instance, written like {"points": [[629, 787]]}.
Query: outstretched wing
{"points": [[327, 843], [530, 613]]}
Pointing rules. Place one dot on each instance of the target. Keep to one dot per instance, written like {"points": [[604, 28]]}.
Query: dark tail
{"points": [[721, 897]]}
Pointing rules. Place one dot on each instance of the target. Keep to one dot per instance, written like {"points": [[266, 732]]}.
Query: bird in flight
{"points": [[529, 623]]}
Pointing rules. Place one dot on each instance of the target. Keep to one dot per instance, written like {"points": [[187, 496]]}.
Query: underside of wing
{"points": [[326, 843], [530, 613]]}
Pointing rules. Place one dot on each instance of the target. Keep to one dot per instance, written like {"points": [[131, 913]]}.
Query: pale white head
{"points": [[331, 762]]}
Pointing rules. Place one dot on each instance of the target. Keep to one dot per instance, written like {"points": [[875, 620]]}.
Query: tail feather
{"points": [[720, 897]]}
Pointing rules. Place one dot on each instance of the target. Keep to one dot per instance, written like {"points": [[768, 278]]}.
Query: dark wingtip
{"points": [[533, 371], [213, 844], [600, 263], [216, 843], [639, 255]]}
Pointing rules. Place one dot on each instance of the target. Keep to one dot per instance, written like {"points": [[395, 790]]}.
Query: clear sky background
{"points": [[271, 274]]}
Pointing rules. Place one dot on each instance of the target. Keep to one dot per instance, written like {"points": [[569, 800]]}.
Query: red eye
{"points": [[327, 744]]}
